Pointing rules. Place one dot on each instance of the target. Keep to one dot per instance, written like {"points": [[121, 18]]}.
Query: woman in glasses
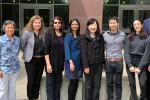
{"points": [[54, 56]]}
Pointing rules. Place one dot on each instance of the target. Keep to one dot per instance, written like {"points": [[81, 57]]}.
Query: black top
{"points": [[38, 46], [135, 47], [54, 47], [92, 50]]}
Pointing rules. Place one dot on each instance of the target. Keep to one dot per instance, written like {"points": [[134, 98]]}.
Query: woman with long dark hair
{"points": [[73, 63], [136, 44], [54, 56], [92, 50]]}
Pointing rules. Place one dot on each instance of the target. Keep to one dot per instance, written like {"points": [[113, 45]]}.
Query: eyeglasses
{"points": [[57, 22]]}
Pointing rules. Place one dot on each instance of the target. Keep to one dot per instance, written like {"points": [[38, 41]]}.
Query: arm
{"points": [[47, 48], [146, 56], [67, 44], [126, 53], [24, 39]]}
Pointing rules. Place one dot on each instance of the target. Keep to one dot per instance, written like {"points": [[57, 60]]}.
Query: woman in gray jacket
{"points": [[33, 54]]}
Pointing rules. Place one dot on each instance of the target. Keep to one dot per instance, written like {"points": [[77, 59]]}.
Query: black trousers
{"points": [[148, 85], [72, 89], [142, 76], [34, 70], [53, 85], [114, 72], [93, 82]]}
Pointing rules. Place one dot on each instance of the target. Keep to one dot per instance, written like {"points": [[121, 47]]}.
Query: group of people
{"points": [[75, 53]]}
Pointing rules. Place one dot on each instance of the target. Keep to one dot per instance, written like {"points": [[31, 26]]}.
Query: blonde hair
{"points": [[29, 25]]}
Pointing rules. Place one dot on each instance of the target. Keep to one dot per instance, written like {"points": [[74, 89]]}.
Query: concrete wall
{"points": [[85, 9]]}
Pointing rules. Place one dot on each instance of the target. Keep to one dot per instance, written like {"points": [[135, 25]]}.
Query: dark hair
{"points": [[113, 18], [51, 26], [78, 30], [91, 21], [142, 34]]}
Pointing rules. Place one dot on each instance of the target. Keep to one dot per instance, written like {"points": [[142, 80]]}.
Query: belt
{"points": [[40, 56], [114, 59]]}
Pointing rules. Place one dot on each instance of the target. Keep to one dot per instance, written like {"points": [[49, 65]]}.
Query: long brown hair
{"points": [[142, 34], [29, 25]]}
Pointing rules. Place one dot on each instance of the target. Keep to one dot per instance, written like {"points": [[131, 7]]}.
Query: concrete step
{"points": [[80, 92]]}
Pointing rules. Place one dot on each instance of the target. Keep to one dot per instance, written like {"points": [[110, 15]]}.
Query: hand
{"points": [[137, 70], [72, 67], [132, 69], [149, 68], [1, 74], [49, 68], [86, 70]]}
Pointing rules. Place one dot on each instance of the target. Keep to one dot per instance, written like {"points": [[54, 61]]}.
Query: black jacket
{"points": [[92, 50], [52, 48]]}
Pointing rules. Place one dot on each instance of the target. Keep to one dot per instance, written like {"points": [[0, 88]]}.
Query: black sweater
{"points": [[92, 50]]}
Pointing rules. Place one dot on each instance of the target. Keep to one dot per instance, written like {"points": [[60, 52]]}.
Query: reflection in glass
{"points": [[143, 14], [128, 1], [108, 11], [61, 1], [111, 1], [28, 13], [128, 17], [45, 13], [12, 13], [27, 1], [144, 2], [63, 12], [45, 1], [10, 1]]}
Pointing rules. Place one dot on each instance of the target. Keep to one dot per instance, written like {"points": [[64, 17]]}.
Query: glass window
{"points": [[108, 11], [143, 14], [27, 1], [128, 17], [10, 1], [45, 13], [45, 1], [61, 1], [111, 1], [0, 16], [144, 2], [11, 12], [128, 1], [28, 13], [63, 12]]}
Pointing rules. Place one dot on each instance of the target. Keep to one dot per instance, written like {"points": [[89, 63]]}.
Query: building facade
{"points": [[21, 10]]}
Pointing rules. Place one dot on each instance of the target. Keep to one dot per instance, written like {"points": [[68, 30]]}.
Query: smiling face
{"points": [[74, 26], [92, 28], [113, 25], [37, 24], [137, 26], [57, 24], [9, 29]]}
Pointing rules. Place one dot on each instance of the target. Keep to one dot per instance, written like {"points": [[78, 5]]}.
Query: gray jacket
{"points": [[27, 45]]}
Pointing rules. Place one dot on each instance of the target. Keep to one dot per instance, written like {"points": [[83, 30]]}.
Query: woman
{"points": [[92, 50], [54, 56], [33, 54], [9, 62], [134, 50], [73, 65]]}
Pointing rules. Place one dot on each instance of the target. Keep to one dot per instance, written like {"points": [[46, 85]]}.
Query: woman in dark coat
{"points": [[92, 50]]}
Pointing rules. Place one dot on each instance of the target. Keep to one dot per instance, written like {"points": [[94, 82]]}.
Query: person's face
{"points": [[92, 27], [74, 26], [57, 24], [113, 25], [9, 29], [137, 25], [37, 24]]}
